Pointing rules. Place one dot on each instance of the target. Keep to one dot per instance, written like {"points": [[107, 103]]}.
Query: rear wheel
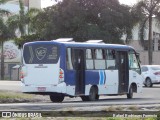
{"points": [[56, 98], [148, 83], [85, 98], [130, 93], [93, 94]]}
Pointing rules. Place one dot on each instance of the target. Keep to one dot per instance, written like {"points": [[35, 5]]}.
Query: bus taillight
{"points": [[61, 75], [21, 75]]}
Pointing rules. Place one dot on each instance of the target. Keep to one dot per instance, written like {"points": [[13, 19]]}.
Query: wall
{"points": [[144, 53], [35, 4], [156, 43], [12, 57], [41, 3]]}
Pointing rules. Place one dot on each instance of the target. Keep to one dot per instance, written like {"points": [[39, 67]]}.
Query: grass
{"points": [[82, 118], [133, 108], [15, 97]]}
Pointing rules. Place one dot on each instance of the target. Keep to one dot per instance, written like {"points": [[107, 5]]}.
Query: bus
{"points": [[62, 67]]}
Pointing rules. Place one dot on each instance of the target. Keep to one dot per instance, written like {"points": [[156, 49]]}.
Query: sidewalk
{"points": [[10, 85]]}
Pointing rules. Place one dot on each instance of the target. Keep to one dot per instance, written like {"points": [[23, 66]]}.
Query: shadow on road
{"points": [[111, 100], [154, 86]]}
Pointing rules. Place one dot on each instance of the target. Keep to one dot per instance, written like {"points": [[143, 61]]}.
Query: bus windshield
{"points": [[40, 54]]}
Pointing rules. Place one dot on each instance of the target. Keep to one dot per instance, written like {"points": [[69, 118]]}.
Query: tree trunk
{"points": [[150, 41], [2, 62]]}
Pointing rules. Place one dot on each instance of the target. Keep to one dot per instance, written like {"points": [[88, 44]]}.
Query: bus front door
{"points": [[123, 67], [80, 72]]}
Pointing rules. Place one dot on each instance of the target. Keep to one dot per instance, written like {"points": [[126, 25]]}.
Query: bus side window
{"points": [[89, 59], [99, 59], [69, 59], [110, 59], [133, 62]]}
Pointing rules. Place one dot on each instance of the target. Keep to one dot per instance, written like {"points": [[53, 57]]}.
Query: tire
{"points": [[130, 94], [85, 98], [148, 82], [93, 94], [55, 98]]}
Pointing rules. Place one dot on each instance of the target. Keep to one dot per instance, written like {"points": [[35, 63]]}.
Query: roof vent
{"points": [[95, 41], [64, 40]]}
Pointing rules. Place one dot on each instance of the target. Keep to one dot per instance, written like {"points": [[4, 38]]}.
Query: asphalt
{"points": [[10, 85]]}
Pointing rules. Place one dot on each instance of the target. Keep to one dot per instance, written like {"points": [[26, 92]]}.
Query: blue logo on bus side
{"points": [[102, 77]]}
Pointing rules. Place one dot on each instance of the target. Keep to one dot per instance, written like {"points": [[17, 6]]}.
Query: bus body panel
{"points": [[60, 88], [112, 81], [41, 68], [92, 77], [136, 78], [43, 75], [44, 79], [47, 75]]}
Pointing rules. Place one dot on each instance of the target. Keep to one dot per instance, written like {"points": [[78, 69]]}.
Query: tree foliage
{"points": [[27, 38], [22, 20], [85, 19]]}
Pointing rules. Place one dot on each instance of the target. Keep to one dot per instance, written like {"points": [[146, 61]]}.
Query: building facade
{"points": [[135, 42]]}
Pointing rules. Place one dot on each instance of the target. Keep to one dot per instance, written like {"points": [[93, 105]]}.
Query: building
{"points": [[144, 50]]}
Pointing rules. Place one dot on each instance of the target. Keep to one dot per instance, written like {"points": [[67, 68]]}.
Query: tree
{"points": [[22, 20], [4, 34], [145, 10], [85, 19]]}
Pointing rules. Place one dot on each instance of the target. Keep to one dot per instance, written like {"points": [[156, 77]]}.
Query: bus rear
{"points": [[41, 73]]}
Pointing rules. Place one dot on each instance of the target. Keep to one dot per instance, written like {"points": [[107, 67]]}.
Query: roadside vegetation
{"points": [[16, 97], [83, 118]]}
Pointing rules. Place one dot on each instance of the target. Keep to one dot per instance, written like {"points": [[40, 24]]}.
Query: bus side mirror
{"points": [[138, 57]]}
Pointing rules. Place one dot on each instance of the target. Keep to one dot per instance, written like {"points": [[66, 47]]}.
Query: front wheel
{"points": [[130, 93], [148, 83], [56, 98]]}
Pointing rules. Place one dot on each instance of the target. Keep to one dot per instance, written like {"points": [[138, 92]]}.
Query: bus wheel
{"points": [[55, 98], [85, 98], [130, 94], [93, 94]]}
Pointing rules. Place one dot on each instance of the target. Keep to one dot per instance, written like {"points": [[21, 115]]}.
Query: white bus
{"points": [[75, 69]]}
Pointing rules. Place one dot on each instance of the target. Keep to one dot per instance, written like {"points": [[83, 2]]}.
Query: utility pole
{"points": [[150, 40]]}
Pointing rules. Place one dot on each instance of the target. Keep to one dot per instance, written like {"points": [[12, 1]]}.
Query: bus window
{"points": [[99, 59], [40, 54], [133, 62], [110, 59], [68, 59], [89, 59]]}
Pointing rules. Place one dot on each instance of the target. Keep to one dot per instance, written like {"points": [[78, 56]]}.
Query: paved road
{"points": [[150, 96], [10, 85]]}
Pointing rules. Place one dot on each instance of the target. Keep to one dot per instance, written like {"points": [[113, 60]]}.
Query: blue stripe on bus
{"points": [[104, 77], [101, 77]]}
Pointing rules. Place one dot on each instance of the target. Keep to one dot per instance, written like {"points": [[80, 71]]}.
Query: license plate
{"points": [[41, 89]]}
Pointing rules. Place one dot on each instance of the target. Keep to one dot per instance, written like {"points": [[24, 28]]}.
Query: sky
{"points": [[128, 2], [15, 9]]}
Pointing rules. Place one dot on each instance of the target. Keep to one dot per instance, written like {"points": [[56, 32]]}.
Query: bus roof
{"points": [[85, 44], [97, 45]]}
